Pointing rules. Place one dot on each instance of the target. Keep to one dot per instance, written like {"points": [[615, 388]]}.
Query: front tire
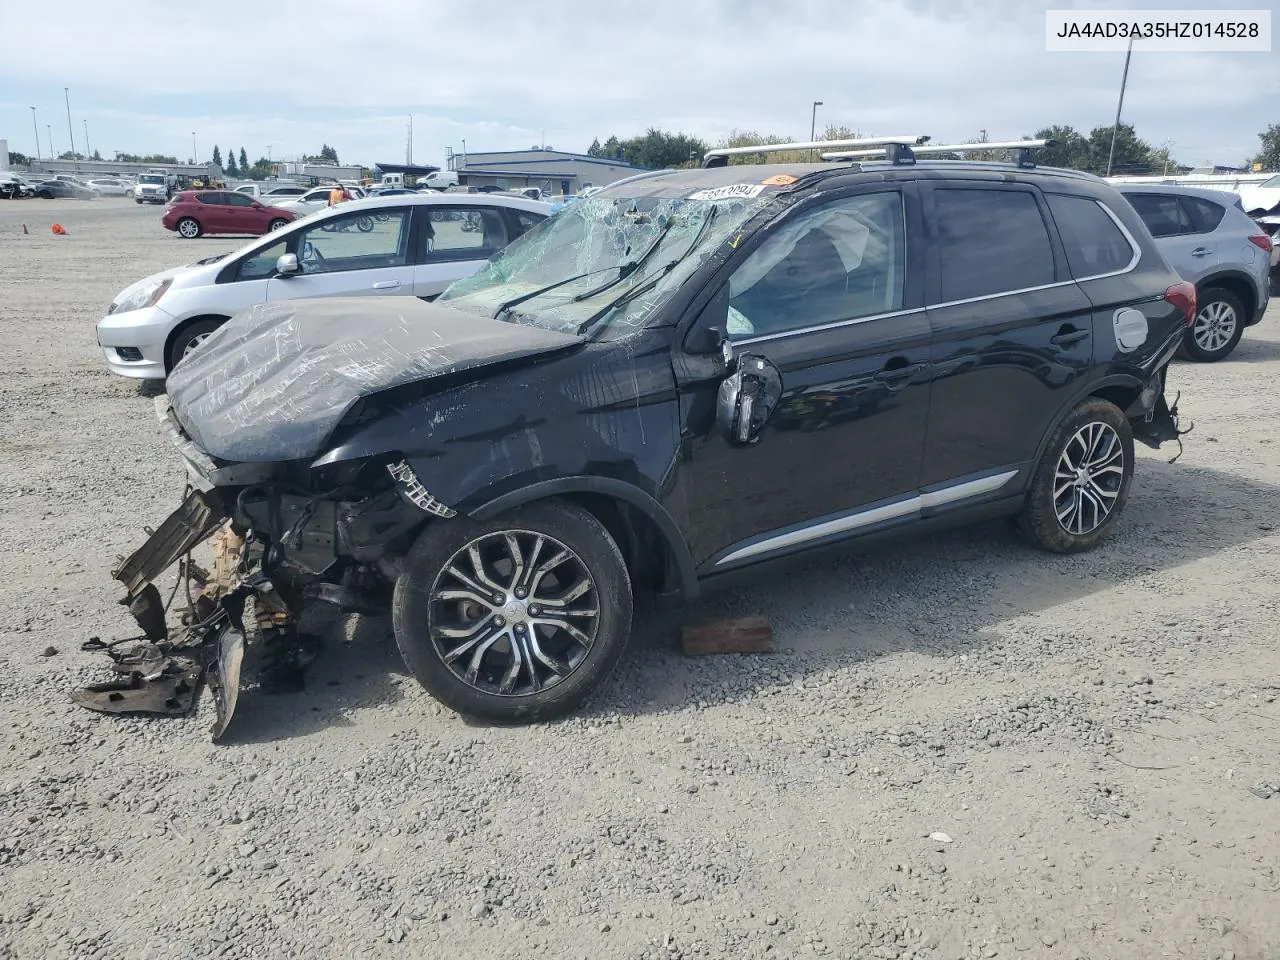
{"points": [[276, 224], [1082, 482], [190, 337], [515, 619], [1218, 326], [188, 228]]}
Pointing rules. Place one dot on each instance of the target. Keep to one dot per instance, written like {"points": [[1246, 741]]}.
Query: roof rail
{"points": [[1022, 151], [719, 156]]}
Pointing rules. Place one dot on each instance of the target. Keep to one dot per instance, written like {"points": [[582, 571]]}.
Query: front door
{"points": [[454, 241], [1013, 334], [831, 297], [356, 254]]}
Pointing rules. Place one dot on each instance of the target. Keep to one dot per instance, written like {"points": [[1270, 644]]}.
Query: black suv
{"points": [[687, 374]]}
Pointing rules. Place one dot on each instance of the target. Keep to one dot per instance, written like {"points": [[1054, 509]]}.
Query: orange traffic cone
{"points": [[57, 229]]}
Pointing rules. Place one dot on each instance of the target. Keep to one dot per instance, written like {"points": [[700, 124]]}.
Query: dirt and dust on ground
{"points": [[960, 748]]}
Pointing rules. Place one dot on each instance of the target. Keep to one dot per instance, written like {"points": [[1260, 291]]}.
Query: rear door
{"points": [[354, 254], [1191, 252], [1012, 332], [454, 241], [215, 215]]}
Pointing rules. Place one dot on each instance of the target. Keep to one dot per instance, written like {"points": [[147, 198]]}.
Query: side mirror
{"points": [[287, 265], [747, 399]]}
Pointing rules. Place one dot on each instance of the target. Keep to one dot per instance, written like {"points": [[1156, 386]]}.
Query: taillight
{"points": [[1261, 241], [1183, 296]]}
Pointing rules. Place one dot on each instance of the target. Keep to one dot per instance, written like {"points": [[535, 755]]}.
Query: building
{"points": [[309, 170], [109, 168], [554, 171]]}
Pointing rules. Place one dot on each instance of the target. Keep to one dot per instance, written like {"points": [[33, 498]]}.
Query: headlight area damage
{"points": [[252, 412], [276, 548]]}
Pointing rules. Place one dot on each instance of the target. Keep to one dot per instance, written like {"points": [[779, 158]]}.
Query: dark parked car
{"points": [[62, 189], [14, 187], [687, 375], [191, 214]]}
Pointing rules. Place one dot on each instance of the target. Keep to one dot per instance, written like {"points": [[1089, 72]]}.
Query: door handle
{"points": [[386, 285], [1201, 252], [1068, 338], [896, 377]]}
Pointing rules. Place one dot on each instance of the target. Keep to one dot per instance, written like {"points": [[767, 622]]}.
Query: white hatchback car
{"points": [[413, 245]]}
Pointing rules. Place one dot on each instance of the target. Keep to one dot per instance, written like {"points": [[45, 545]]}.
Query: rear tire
{"points": [[466, 652], [188, 228], [1218, 326], [188, 338], [1082, 482]]}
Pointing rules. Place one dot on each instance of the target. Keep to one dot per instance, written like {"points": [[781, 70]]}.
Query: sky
{"points": [[281, 79]]}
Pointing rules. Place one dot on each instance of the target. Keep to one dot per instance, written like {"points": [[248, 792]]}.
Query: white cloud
{"points": [[296, 75]]}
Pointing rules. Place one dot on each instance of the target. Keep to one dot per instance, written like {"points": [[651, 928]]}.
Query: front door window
{"points": [[356, 241]]}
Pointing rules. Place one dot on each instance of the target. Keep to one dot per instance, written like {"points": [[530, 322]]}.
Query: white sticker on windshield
{"points": [[732, 191]]}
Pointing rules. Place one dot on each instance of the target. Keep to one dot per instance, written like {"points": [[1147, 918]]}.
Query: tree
{"points": [[328, 153], [261, 169], [68, 155], [97, 155], [149, 158], [19, 159], [655, 149], [1269, 155], [244, 160], [1071, 150], [1132, 155], [595, 149], [217, 155]]}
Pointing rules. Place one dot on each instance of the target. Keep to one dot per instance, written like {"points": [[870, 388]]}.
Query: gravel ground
{"points": [[962, 748]]}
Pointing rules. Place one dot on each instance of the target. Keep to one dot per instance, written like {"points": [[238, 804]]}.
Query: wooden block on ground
{"points": [[742, 635]]}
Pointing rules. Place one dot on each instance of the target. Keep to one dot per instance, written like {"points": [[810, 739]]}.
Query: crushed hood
{"points": [[273, 382]]}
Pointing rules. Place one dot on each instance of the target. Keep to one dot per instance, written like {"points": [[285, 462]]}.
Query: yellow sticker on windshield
{"points": [[779, 180]]}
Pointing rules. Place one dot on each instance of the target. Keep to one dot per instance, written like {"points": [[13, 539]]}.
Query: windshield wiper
{"points": [[649, 284], [516, 301], [627, 269]]}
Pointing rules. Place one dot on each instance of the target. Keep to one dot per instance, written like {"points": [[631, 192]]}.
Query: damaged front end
{"points": [[283, 536]]}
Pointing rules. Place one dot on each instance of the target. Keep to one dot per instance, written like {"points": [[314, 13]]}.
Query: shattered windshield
{"points": [[602, 261]]}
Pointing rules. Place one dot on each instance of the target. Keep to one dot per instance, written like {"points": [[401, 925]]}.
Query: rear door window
{"points": [[1162, 213], [1094, 244], [990, 242], [455, 232]]}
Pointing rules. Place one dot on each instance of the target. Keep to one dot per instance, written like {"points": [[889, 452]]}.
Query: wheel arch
{"points": [[1120, 389], [633, 518], [1236, 283], [183, 325]]}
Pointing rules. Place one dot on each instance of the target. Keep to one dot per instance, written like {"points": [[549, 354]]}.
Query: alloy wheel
{"points": [[194, 342], [1215, 326], [1088, 478], [189, 229], [513, 613]]}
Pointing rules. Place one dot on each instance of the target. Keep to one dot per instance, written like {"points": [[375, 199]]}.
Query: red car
{"points": [[196, 212]]}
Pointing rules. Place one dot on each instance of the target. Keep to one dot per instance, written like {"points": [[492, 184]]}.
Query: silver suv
{"points": [[1209, 240]]}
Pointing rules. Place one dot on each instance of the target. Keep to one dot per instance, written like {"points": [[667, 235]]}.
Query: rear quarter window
{"points": [[1093, 243], [1162, 213], [1205, 214]]}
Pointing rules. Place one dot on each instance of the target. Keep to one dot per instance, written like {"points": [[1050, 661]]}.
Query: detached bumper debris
{"points": [[164, 673]]}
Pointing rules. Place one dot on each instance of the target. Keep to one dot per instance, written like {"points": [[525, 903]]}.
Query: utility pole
{"points": [[36, 130], [87, 152], [48, 128], [195, 157], [813, 126], [1115, 130], [66, 93]]}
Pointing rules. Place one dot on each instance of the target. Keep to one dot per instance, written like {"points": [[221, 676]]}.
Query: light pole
{"points": [[195, 157], [66, 93], [48, 128], [1115, 130], [36, 130], [87, 151], [813, 125]]}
